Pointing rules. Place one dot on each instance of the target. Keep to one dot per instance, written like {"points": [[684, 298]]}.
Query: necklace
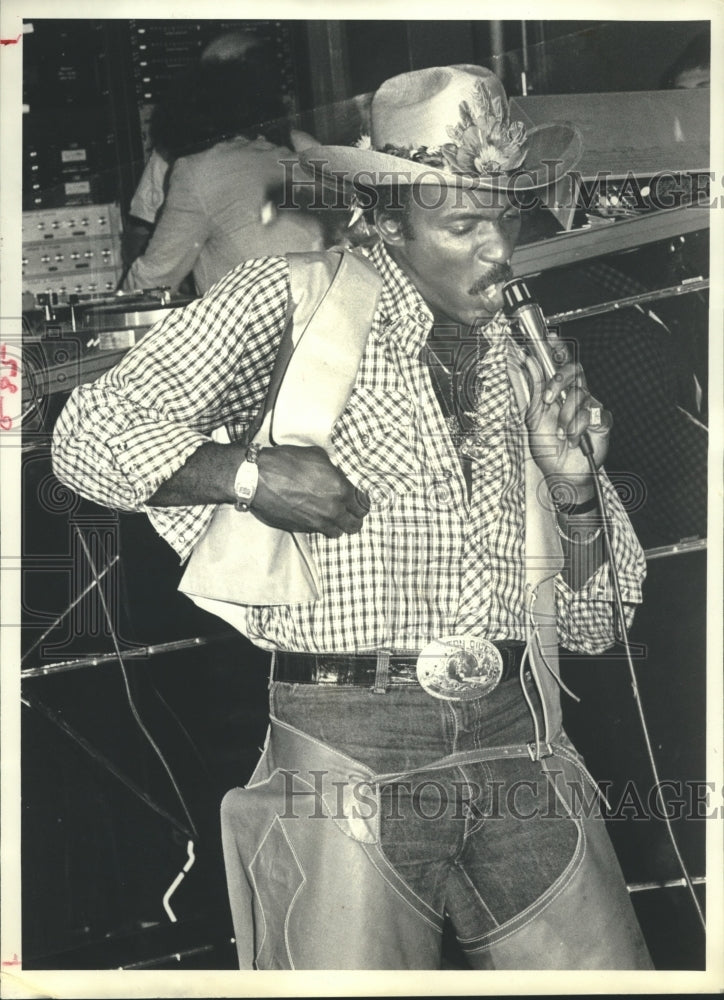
{"points": [[446, 385], [458, 390]]}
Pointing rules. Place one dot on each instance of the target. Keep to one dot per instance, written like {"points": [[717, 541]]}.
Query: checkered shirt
{"points": [[428, 560]]}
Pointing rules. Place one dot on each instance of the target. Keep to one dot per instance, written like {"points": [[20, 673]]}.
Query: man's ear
{"points": [[389, 226]]}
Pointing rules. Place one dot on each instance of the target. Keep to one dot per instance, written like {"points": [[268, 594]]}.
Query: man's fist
{"points": [[558, 416], [300, 490]]}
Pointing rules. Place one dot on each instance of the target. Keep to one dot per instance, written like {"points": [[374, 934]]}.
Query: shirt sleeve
{"points": [[120, 437], [586, 617], [182, 229]]}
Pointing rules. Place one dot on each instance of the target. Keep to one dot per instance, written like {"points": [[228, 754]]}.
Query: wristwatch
{"points": [[247, 478]]}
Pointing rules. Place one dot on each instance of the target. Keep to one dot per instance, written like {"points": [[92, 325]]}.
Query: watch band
{"points": [[247, 479]]}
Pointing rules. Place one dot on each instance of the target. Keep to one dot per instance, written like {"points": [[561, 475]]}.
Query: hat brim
{"points": [[553, 151]]}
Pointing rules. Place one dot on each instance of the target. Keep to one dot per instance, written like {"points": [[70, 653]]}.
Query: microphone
{"points": [[522, 307]]}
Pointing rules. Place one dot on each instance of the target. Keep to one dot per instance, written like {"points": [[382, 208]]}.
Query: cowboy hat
{"points": [[448, 125]]}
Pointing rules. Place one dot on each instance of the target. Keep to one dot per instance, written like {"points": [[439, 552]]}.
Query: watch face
{"points": [[245, 483]]}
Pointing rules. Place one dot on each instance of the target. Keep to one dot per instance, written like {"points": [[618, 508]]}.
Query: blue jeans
{"points": [[493, 844]]}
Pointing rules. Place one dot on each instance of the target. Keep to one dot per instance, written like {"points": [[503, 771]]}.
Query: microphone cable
{"points": [[623, 637], [521, 307]]}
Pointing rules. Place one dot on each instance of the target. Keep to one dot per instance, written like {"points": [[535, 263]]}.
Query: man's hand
{"points": [[558, 416], [300, 490]]}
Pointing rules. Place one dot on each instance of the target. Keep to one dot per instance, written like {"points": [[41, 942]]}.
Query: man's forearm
{"points": [[298, 488], [206, 477]]}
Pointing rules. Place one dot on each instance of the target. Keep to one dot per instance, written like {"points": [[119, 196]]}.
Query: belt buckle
{"points": [[459, 667]]}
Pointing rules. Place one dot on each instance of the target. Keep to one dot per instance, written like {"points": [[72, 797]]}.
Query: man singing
{"points": [[416, 770]]}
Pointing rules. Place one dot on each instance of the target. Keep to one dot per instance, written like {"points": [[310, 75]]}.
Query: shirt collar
{"points": [[406, 317], [497, 331]]}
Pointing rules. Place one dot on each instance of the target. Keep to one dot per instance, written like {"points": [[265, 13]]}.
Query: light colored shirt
{"points": [[427, 562], [148, 196], [219, 212]]}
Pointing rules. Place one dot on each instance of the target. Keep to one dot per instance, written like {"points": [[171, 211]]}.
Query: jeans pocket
{"points": [[577, 759], [529, 849]]}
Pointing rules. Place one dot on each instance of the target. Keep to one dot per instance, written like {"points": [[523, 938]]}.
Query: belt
{"points": [[360, 669]]}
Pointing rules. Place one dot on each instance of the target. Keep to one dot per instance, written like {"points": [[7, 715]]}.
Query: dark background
{"points": [[104, 831], [97, 858], [89, 81]]}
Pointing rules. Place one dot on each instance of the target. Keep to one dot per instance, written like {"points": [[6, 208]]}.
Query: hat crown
{"points": [[448, 125], [419, 108]]}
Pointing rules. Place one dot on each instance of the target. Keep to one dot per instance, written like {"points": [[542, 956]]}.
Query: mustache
{"points": [[496, 273]]}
